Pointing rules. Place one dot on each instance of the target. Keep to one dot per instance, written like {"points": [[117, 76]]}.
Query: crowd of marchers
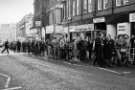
{"points": [[103, 50]]}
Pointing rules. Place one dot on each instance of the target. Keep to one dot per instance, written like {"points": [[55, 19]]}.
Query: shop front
{"points": [[100, 25], [82, 31], [49, 31], [124, 29], [132, 22]]}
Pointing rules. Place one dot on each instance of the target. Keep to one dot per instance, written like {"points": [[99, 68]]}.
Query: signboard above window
{"points": [[132, 17], [38, 23], [99, 20]]}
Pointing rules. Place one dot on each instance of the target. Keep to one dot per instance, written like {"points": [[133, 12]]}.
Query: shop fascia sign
{"points": [[132, 17], [58, 6], [99, 20], [86, 27], [79, 28]]}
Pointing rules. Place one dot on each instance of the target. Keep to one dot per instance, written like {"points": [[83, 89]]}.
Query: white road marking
{"points": [[109, 70], [8, 79], [126, 72], [7, 83], [5, 54], [14, 88]]}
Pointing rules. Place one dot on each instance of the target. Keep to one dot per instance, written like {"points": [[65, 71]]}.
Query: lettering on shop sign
{"points": [[132, 17], [121, 28]]}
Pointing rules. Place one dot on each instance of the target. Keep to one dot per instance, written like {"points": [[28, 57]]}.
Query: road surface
{"points": [[31, 73]]}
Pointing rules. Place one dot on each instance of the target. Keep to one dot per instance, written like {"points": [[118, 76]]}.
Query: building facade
{"points": [[8, 32], [24, 30], [41, 17], [111, 16], [86, 17]]}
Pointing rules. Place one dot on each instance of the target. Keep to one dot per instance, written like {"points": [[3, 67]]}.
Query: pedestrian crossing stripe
{"points": [[14, 88], [11, 54]]}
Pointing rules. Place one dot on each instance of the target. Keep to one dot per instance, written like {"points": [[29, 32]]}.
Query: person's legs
{"points": [[7, 51], [3, 50]]}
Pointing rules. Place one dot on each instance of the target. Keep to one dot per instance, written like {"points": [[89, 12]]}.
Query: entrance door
{"points": [[133, 28], [100, 26]]}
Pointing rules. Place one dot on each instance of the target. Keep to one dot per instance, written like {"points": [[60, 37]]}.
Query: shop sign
{"points": [[59, 29], [86, 27], [49, 29], [132, 17], [72, 28], [123, 28], [38, 23], [99, 20]]}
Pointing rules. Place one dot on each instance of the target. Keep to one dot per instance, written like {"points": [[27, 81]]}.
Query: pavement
{"points": [[40, 73], [128, 71]]}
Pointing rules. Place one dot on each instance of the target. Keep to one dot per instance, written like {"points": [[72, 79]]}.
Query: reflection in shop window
{"points": [[89, 5]]}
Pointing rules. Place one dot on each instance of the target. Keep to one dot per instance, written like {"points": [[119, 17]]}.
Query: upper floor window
{"points": [[78, 7], [118, 2], [122, 2], [90, 6], [100, 4], [69, 6], [106, 4], [85, 6], [74, 8]]}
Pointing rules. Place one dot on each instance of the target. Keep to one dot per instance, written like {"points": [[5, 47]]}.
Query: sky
{"points": [[12, 11]]}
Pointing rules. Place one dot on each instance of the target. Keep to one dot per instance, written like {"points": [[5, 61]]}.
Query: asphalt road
{"points": [[29, 73]]}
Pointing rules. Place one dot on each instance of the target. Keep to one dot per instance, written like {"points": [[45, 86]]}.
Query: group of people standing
{"points": [[102, 51]]}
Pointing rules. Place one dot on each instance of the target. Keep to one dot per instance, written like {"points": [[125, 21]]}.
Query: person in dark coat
{"points": [[18, 44], [132, 45], [42, 48], [98, 48], [108, 50], [81, 46], [6, 47]]}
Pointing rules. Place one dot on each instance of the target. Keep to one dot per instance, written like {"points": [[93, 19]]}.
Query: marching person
{"points": [[6, 47]]}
